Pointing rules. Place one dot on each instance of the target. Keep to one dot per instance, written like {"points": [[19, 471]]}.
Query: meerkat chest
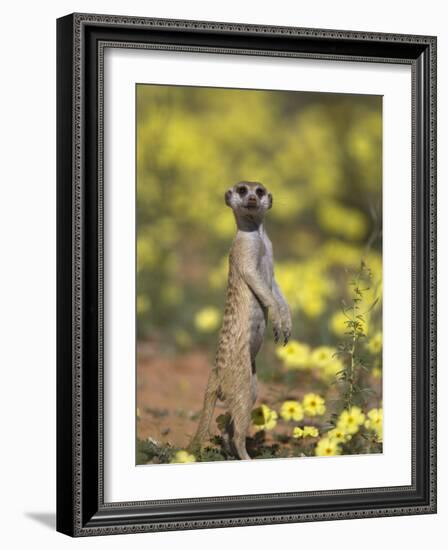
{"points": [[266, 261]]}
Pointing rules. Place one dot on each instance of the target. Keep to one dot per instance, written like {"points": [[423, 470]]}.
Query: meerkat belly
{"points": [[257, 321], [258, 313]]}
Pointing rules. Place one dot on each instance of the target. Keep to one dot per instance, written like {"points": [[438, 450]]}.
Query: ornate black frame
{"points": [[81, 39]]}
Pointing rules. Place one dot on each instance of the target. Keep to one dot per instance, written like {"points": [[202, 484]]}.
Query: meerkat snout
{"points": [[249, 196]]}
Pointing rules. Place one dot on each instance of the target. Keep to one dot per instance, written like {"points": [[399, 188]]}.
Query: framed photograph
{"points": [[246, 274]]}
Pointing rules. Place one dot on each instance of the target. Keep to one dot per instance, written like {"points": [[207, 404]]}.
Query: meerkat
{"points": [[252, 294]]}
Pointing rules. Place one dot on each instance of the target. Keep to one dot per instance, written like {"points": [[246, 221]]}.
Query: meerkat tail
{"points": [[211, 395]]}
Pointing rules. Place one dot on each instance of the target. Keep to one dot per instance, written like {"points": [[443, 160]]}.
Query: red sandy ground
{"points": [[170, 391]]}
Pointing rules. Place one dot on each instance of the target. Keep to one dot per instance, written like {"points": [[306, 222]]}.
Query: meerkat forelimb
{"points": [[252, 295]]}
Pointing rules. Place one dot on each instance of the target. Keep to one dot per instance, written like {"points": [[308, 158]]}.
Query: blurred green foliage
{"points": [[321, 157]]}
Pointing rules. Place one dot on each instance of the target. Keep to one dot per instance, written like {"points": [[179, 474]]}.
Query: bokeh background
{"points": [[320, 155]]}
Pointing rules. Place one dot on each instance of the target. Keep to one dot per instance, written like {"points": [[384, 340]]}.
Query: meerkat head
{"points": [[249, 198]]}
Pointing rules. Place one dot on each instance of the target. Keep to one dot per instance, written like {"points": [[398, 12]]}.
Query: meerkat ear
{"points": [[271, 200], [227, 196]]}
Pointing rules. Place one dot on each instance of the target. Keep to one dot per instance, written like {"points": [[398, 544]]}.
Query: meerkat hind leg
{"points": [[239, 435], [240, 412]]}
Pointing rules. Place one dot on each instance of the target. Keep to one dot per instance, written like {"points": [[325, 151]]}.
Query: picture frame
{"points": [[81, 506]]}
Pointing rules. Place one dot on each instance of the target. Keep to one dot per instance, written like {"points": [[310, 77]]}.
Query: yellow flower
{"points": [[375, 344], [315, 286], [313, 404], [338, 323], [339, 435], [294, 355], [310, 431], [291, 410], [264, 418], [183, 457], [350, 420], [332, 369], [207, 319], [306, 431], [323, 358], [322, 355], [327, 447], [297, 432], [375, 422], [312, 304]]}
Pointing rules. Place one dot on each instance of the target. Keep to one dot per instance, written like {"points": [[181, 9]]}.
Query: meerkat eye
{"points": [[260, 192], [242, 190]]}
